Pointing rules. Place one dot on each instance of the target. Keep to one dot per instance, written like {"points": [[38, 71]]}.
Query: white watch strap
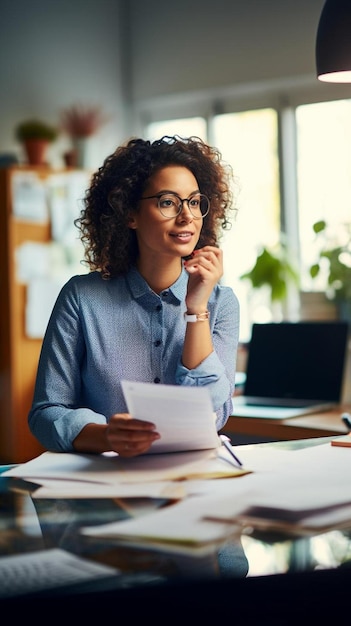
{"points": [[197, 317]]}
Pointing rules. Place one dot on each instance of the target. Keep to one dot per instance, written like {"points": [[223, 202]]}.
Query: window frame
{"points": [[284, 96]]}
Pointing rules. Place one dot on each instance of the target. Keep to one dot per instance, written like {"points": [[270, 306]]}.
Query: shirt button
{"points": [[157, 380], [165, 294], [159, 307], [157, 343]]}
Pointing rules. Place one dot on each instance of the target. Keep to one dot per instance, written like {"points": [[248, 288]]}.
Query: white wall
{"points": [[200, 44], [125, 53], [55, 53]]}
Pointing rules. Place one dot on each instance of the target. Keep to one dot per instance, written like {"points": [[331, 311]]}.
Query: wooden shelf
{"points": [[19, 353]]}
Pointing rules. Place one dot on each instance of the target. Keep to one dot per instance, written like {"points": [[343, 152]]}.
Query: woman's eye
{"points": [[167, 203]]}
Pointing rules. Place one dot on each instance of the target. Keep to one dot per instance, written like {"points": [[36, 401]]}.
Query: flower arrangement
{"points": [[80, 120]]}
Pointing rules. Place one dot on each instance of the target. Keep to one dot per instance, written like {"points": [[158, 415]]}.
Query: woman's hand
{"points": [[205, 268], [129, 436]]}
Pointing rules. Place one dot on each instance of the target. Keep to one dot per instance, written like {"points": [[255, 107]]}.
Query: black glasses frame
{"points": [[181, 202]]}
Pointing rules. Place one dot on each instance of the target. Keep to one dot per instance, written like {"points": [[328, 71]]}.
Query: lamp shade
{"points": [[333, 42]]}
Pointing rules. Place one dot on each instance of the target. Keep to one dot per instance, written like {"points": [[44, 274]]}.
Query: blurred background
{"points": [[240, 74]]}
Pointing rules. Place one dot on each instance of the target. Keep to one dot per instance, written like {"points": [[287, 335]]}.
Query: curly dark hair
{"points": [[117, 186]]}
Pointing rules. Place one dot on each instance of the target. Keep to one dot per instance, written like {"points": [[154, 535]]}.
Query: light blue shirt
{"points": [[103, 331]]}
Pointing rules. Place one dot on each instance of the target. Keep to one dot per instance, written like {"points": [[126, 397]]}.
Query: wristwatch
{"points": [[197, 317]]}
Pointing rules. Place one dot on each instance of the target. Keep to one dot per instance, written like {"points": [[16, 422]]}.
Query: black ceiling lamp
{"points": [[333, 42]]}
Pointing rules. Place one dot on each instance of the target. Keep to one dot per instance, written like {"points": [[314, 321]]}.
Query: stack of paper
{"points": [[180, 528], [295, 491], [309, 493], [108, 475]]}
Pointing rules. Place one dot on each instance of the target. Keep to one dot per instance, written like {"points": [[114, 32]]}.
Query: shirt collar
{"points": [[140, 288]]}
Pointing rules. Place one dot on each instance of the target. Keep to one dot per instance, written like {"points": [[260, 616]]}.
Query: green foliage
{"points": [[273, 268], [338, 257], [35, 129]]}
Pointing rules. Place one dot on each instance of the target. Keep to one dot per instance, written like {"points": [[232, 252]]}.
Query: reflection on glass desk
{"points": [[286, 569]]}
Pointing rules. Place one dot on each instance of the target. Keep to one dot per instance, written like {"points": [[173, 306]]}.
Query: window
{"points": [[308, 147], [183, 127], [248, 141], [324, 176]]}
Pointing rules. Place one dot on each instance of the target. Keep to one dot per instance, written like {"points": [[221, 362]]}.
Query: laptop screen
{"points": [[302, 360]]}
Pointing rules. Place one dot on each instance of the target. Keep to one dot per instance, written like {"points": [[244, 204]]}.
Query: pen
{"points": [[225, 442], [346, 418]]}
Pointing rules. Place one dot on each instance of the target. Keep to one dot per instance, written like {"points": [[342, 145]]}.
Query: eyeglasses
{"points": [[171, 205]]}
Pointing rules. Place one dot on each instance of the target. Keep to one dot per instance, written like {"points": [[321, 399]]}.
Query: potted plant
{"points": [[272, 276], [273, 268], [80, 122], [334, 259], [35, 136]]}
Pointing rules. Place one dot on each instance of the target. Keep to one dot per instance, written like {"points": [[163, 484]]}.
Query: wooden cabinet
{"points": [[19, 353]]}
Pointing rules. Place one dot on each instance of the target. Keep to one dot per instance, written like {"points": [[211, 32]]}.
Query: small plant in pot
{"points": [[80, 122], [36, 136]]}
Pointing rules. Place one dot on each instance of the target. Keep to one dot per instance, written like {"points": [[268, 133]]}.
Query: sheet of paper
{"points": [[65, 198], [29, 193], [313, 486], [180, 524], [33, 260], [41, 296], [56, 488], [113, 470], [183, 416]]}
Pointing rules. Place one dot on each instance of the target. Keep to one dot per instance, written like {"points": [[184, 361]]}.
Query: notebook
{"points": [[293, 368]]}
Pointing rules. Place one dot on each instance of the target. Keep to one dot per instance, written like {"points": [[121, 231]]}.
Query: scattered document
{"points": [[78, 490], [179, 527], [293, 491], [29, 193], [310, 492], [93, 471], [41, 296], [183, 416]]}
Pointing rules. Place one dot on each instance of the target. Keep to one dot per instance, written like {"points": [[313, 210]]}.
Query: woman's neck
{"points": [[160, 277]]}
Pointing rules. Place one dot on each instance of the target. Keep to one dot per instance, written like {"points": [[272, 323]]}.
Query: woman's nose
{"points": [[185, 214]]}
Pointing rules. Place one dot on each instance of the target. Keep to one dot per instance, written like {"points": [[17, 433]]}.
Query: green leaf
{"points": [[318, 227], [272, 269]]}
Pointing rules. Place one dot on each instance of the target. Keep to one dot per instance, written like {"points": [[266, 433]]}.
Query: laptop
{"points": [[293, 368]]}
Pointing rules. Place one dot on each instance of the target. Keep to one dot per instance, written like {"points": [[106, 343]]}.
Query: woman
{"points": [[151, 308]]}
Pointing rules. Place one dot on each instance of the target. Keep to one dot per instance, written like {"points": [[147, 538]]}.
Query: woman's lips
{"points": [[184, 237]]}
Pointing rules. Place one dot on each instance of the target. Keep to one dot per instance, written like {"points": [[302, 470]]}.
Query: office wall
{"points": [[198, 57], [201, 44], [120, 53], [58, 52]]}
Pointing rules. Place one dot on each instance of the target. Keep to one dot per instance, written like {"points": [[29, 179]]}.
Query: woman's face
{"points": [[158, 235]]}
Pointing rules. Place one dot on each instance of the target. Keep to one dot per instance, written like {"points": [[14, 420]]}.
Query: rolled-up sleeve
{"points": [[217, 371]]}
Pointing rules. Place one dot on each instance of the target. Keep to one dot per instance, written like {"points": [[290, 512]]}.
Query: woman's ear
{"points": [[131, 222]]}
